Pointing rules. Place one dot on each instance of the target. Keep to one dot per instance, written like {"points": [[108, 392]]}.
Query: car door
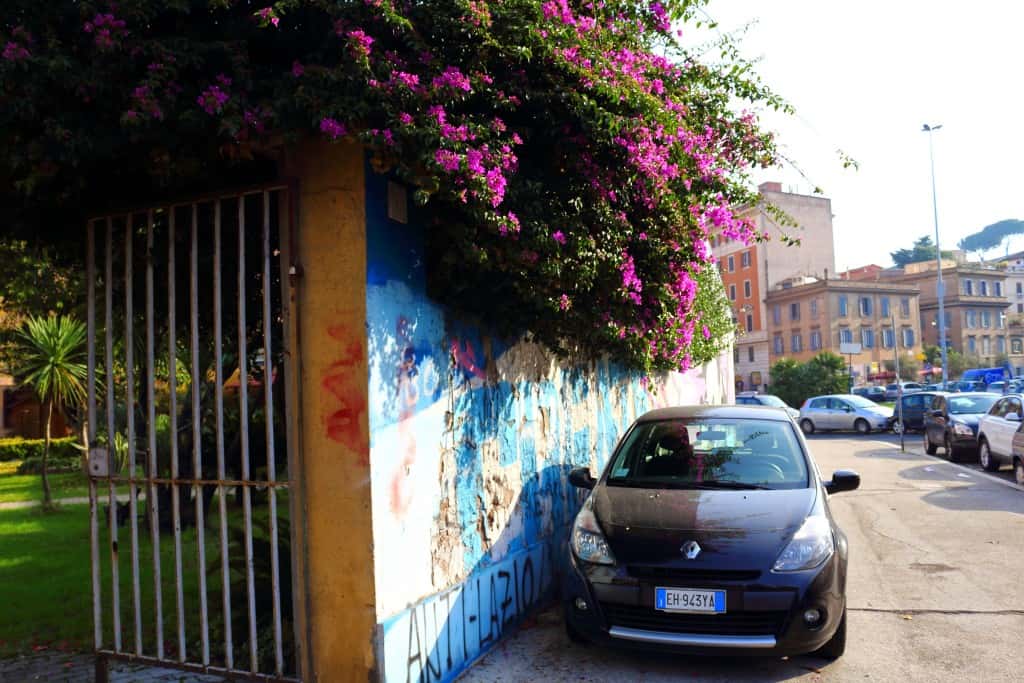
{"points": [[991, 423], [913, 411], [935, 420], [1007, 427], [842, 414]]}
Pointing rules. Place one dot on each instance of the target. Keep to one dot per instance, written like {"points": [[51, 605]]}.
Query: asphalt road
{"points": [[932, 596]]}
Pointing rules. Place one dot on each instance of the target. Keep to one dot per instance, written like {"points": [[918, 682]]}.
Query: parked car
{"points": [[952, 422], [997, 387], [995, 432], [752, 398], [892, 390], [1018, 455], [915, 406], [709, 532], [876, 394], [843, 412]]}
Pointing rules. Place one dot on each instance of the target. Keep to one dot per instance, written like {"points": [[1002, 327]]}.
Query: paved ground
{"points": [[932, 548], [57, 667]]}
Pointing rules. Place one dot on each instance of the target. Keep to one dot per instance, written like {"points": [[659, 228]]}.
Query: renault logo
{"points": [[690, 550]]}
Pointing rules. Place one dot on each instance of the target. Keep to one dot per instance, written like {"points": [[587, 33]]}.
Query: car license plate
{"points": [[689, 600]]}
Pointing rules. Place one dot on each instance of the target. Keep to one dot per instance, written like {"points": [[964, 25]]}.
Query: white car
{"points": [[995, 432]]}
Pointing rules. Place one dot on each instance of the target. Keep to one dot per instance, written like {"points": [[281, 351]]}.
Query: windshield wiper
{"points": [[726, 484]]}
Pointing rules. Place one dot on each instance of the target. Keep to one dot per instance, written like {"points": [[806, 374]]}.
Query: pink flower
{"points": [[213, 99], [564, 303], [452, 78], [15, 52], [558, 236], [437, 111], [107, 30], [411, 81], [298, 69], [405, 118], [332, 128], [447, 159], [360, 43], [475, 161], [705, 331]]}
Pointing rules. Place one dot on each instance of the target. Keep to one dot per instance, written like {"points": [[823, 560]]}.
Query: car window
{"points": [[961, 405], [1013, 406], [914, 401], [743, 401], [999, 409], [837, 404], [819, 403], [688, 453], [938, 403], [858, 402]]}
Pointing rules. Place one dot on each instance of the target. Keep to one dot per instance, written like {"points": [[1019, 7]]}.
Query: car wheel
{"points": [[929, 447], [807, 426], [951, 452], [573, 634], [862, 426], [836, 645], [1018, 471], [985, 459], [897, 427]]}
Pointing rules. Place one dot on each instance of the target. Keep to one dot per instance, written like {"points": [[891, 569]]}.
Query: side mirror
{"points": [[937, 413], [581, 479], [1013, 417], [843, 480]]}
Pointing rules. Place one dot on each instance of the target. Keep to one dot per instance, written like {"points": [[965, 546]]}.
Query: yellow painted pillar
{"points": [[334, 532]]}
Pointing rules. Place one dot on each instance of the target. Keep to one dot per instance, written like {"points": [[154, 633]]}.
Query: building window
{"points": [[867, 337], [746, 289], [865, 307], [972, 344], [1020, 308], [750, 322], [1020, 289], [908, 338], [745, 259], [1000, 320], [998, 287], [845, 335], [794, 311], [732, 292], [815, 340], [983, 287], [750, 353], [905, 307], [986, 346], [796, 343], [1000, 345], [986, 319], [842, 305], [888, 338], [883, 303], [814, 308], [1017, 346], [777, 314], [736, 355], [972, 319], [732, 263], [778, 344], [968, 287]]}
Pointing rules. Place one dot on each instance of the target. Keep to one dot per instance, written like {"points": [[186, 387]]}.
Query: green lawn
{"points": [[19, 487], [45, 573]]}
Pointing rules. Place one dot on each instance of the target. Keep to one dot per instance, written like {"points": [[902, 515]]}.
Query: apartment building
{"points": [[807, 318], [749, 272]]}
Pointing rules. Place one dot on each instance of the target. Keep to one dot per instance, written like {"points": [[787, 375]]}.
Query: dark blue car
{"points": [[709, 532]]}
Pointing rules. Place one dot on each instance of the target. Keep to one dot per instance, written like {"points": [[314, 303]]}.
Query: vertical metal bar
{"points": [[94, 532], [243, 433], [129, 409], [268, 397], [197, 436], [151, 464], [108, 283], [219, 406], [172, 385]]}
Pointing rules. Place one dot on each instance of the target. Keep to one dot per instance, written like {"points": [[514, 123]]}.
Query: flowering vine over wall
{"points": [[572, 158]]}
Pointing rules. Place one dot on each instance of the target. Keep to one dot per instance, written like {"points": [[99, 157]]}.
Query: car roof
{"points": [[745, 412]]}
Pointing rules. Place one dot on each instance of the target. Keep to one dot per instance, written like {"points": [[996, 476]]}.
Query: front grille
{"points": [[728, 624], [687, 574]]}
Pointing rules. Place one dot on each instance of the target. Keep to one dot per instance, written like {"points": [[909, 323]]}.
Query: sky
{"points": [[863, 77]]}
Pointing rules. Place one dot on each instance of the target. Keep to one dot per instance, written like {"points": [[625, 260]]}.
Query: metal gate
{"points": [[187, 427]]}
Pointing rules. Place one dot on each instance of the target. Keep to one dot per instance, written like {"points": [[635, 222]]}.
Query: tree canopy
{"points": [[923, 250], [991, 236], [794, 382], [574, 157]]}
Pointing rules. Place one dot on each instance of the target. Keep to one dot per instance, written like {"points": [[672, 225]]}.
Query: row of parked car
{"points": [[891, 392], [985, 425]]}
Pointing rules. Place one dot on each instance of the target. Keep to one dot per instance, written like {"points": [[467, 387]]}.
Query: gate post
{"points": [[332, 521]]}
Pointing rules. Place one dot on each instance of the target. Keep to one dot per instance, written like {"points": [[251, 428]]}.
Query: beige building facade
{"points": [[750, 272], [806, 319]]}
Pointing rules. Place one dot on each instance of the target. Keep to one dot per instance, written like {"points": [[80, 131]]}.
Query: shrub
{"points": [[25, 449], [62, 462]]}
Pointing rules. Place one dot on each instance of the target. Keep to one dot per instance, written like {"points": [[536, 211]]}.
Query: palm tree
{"points": [[51, 351]]}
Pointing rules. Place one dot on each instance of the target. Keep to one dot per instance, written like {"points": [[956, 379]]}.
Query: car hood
{"points": [[969, 419], [735, 529]]}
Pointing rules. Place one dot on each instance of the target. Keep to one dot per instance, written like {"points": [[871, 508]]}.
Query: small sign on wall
{"points": [[398, 202]]}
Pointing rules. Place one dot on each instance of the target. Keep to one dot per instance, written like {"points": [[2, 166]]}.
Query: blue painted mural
{"points": [[472, 439]]}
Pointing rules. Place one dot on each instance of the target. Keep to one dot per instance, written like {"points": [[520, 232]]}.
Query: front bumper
{"points": [[764, 614]]}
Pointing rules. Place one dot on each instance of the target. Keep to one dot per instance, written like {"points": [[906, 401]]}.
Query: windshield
{"points": [[860, 402], [960, 405], [773, 401], [710, 453]]}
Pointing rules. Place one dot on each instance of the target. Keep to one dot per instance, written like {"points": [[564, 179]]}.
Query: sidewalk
{"points": [[79, 668]]}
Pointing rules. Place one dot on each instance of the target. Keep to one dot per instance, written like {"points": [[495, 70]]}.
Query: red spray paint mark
{"points": [[465, 358], [343, 381], [408, 395]]}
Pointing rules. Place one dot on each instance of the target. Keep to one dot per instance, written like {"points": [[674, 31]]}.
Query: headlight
{"points": [[588, 542], [960, 429], [810, 546]]}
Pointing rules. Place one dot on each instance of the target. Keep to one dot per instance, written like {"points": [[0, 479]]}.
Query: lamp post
{"points": [[940, 290]]}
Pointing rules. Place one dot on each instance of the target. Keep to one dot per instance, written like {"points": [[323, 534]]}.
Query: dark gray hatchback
{"points": [[709, 532]]}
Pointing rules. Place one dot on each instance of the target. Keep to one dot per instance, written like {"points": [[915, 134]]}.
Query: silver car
{"points": [[843, 412]]}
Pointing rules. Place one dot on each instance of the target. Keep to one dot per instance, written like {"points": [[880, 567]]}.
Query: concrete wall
{"points": [[471, 440]]}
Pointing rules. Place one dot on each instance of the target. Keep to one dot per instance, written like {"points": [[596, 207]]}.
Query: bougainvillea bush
{"points": [[573, 158]]}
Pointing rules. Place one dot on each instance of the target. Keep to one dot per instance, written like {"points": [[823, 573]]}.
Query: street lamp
{"points": [[940, 290]]}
